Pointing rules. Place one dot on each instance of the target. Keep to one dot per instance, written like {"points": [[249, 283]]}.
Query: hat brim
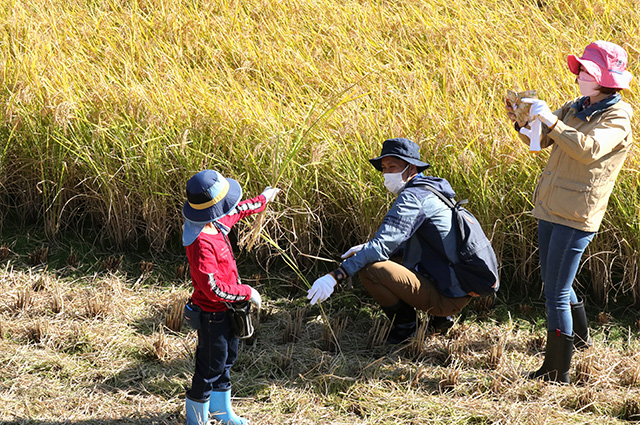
{"points": [[592, 68], [216, 211], [610, 79], [377, 162]]}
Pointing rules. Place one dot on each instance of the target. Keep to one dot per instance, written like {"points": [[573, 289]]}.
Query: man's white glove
{"points": [[255, 299], [270, 193], [540, 109], [322, 289], [352, 251]]}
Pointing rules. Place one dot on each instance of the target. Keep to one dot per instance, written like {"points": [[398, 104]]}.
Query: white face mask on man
{"points": [[394, 181], [588, 85]]}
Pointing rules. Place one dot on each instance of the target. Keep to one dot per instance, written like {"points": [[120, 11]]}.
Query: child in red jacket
{"points": [[212, 207]]}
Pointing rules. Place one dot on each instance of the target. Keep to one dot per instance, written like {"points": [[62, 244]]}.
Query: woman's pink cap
{"points": [[606, 62]]}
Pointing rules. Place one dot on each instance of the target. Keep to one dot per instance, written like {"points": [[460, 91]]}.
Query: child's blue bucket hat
{"points": [[210, 196]]}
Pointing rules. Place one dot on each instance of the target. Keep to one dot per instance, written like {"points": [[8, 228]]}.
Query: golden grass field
{"points": [[108, 106]]}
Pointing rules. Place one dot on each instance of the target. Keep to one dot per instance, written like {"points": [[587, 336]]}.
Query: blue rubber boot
{"points": [[220, 408], [197, 412]]}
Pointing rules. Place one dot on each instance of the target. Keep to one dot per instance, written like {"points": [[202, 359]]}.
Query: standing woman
{"points": [[589, 139]]}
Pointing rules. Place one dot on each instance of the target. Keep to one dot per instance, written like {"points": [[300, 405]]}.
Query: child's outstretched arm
{"points": [[249, 206]]}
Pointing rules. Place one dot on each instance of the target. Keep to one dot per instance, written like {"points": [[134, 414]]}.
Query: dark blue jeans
{"points": [[560, 249], [217, 351]]}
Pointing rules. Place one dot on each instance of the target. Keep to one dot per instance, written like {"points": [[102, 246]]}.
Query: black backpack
{"points": [[477, 266]]}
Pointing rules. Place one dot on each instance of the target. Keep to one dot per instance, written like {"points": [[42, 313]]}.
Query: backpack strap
{"points": [[448, 201], [451, 203]]}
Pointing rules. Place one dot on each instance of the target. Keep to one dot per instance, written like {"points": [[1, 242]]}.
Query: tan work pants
{"points": [[389, 282]]}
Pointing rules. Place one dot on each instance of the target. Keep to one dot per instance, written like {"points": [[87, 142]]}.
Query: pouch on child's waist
{"points": [[192, 314]]}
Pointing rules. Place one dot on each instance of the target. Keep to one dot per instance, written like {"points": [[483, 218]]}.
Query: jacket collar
{"points": [[438, 183], [585, 112]]}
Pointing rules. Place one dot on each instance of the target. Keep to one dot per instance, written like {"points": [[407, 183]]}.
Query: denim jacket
{"points": [[419, 227]]}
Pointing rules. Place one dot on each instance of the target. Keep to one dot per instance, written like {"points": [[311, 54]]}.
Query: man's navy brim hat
{"points": [[210, 196], [402, 148]]}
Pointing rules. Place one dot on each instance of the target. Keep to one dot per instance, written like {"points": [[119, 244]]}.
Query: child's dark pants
{"points": [[217, 351]]}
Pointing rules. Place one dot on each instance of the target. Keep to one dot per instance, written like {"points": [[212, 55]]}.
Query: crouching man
{"points": [[417, 234]]}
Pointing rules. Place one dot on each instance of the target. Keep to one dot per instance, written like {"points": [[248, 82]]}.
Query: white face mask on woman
{"points": [[394, 181], [588, 85]]}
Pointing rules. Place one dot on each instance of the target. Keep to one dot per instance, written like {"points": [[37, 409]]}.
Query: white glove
{"points": [[270, 193], [352, 251], [322, 289], [255, 299], [540, 109], [533, 135]]}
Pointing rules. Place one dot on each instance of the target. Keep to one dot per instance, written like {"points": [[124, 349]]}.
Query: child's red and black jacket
{"points": [[214, 272]]}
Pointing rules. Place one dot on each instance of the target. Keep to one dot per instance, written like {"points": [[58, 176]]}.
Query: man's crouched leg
{"points": [[399, 291]]}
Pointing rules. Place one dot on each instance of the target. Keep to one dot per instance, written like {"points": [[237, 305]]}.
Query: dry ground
{"points": [[96, 349]]}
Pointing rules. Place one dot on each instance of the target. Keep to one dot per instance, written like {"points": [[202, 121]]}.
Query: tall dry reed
{"points": [[108, 108]]}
